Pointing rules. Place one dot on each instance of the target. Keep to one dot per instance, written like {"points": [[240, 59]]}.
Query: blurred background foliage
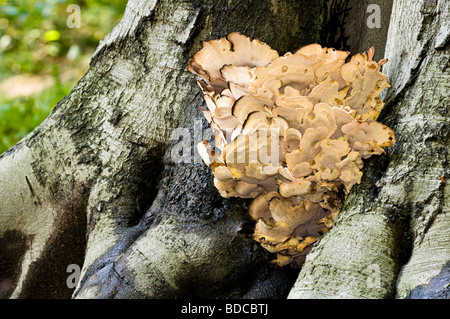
{"points": [[41, 58]]}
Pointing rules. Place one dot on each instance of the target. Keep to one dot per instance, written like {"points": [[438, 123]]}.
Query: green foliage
{"points": [[34, 33], [35, 39], [21, 115]]}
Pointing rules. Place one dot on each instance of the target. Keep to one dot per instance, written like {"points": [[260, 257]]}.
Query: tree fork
{"points": [[93, 185], [394, 225]]}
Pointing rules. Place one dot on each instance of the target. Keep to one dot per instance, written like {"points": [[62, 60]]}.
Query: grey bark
{"points": [[94, 185], [357, 25], [392, 237]]}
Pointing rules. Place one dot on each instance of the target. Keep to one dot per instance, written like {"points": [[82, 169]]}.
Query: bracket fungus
{"points": [[290, 132]]}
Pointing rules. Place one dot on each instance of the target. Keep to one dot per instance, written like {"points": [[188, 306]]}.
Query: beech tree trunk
{"points": [[392, 237], [96, 184]]}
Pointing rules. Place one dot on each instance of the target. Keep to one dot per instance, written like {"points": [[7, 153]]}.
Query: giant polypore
{"points": [[289, 131]]}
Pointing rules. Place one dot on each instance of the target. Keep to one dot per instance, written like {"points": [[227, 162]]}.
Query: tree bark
{"points": [[94, 184], [357, 25], [391, 239], [372, 19]]}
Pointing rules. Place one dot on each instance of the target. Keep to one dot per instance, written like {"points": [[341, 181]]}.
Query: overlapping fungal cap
{"points": [[290, 131]]}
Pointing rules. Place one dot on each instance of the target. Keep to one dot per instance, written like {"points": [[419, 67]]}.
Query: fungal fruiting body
{"points": [[289, 131]]}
